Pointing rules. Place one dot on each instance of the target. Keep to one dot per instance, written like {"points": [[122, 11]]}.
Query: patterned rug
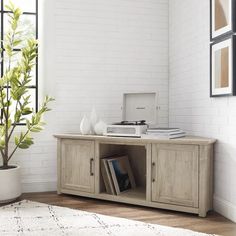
{"points": [[28, 218]]}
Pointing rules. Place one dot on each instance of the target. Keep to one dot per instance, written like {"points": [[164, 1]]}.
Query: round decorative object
{"points": [[10, 184], [100, 128], [85, 125], [93, 119]]}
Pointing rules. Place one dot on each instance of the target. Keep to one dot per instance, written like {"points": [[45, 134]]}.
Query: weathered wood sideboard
{"points": [[172, 174]]}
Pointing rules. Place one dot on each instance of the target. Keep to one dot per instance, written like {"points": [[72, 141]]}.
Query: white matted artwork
{"points": [[140, 106], [222, 70], [222, 17]]}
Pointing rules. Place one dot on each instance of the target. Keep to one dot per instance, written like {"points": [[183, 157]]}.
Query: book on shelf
{"points": [[106, 175], [121, 173], [164, 136], [164, 133], [163, 130]]}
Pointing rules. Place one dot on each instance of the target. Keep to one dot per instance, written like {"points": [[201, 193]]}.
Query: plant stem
{"points": [[8, 159], [2, 153], [5, 162]]}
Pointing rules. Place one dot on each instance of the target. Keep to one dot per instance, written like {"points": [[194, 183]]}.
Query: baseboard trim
{"points": [[225, 208], [39, 187]]}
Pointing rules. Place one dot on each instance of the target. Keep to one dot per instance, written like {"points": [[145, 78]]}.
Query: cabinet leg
{"points": [[202, 214]]}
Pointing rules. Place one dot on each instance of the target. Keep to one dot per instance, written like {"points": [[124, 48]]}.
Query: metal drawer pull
{"points": [[153, 165], [91, 167]]}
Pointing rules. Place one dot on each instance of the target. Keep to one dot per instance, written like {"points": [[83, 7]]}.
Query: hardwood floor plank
{"points": [[213, 223]]}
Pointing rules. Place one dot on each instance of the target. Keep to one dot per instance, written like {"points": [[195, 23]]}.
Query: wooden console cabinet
{"points": [[170, 174]]}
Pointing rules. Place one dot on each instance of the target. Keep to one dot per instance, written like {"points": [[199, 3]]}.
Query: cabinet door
{"points": [[77, 165], [175, 174]]}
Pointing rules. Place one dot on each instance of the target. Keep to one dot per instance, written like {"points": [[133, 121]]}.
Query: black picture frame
{"points": [[233, 67], [233, 22]]}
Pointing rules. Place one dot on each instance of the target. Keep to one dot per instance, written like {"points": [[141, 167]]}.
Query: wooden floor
{"points": [[214, 223]]}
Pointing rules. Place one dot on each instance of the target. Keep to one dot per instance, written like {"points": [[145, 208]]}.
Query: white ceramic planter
{"points": [[10, 184]]}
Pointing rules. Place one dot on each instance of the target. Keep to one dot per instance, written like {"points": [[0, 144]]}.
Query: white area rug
{"points": [[33, 218]]}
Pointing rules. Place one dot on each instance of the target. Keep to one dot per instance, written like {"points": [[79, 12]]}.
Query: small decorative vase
{"points": [[93, 119], [100, 128], [85, 125]]}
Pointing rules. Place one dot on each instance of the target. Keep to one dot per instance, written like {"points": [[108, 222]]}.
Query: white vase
{"points": [[10, 184], [93, 119], [100, 128], [85, 125]]}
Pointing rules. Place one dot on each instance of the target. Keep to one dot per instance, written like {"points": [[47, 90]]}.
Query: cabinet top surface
{"points": [[186, 140]]}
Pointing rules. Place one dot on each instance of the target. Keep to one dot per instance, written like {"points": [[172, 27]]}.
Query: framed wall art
{"points": [[223, 67], [222, 18]]}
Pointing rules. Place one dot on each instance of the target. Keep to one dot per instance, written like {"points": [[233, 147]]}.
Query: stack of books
{"points": [[117, 174], [165, 133]]}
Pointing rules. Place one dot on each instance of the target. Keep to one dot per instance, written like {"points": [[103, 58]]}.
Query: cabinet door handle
{"points": [[91, 166], [153, 168]]}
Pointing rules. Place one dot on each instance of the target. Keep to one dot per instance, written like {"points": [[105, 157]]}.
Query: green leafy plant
{"points": [[14, 92]]}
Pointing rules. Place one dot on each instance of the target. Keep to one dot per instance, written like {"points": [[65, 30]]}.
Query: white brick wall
{"points": [[91, 53], [191, 108], [105, 48]]}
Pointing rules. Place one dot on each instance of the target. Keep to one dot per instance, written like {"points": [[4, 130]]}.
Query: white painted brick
{"points": [[91, 53], [191, 108]]}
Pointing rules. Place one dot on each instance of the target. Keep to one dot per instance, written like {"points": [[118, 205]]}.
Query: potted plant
{"points": [[15, 106]]}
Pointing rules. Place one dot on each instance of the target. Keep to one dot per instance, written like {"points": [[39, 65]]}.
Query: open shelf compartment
{"points": [[137, 159]]}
